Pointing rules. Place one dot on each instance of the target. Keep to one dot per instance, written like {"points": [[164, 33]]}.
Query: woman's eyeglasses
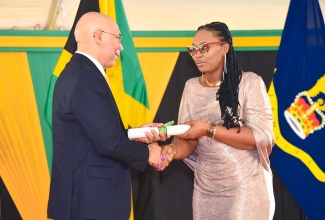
{"points": [[203, 48]]}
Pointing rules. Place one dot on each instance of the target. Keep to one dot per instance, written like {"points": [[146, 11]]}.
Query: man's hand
{"points": [[152, 136]]}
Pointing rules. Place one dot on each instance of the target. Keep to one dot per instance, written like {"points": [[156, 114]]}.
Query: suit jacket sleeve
{"points": [[95, 108]]}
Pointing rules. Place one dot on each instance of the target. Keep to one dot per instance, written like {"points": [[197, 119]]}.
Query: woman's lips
{"points": [[199, 63]]}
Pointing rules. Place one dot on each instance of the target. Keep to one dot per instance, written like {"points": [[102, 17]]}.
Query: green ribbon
{"points": [[164, 127]]}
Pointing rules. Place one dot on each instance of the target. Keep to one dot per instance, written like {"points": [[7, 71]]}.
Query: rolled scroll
{"points": [[171, 130]]}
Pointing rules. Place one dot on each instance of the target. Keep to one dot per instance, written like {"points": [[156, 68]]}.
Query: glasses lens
{"points": [[120, 38], [191, 50], [204, 48]]}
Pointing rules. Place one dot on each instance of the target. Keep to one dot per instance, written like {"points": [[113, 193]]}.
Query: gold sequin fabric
{"points": [[230, 183]]}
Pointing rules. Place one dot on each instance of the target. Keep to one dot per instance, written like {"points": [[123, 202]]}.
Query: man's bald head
{"points": [[89, 23], [97, 35]]}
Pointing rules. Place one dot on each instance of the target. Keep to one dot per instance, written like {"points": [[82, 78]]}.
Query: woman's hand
{"points": [[168, 152], [198, 129], [160, 158]]}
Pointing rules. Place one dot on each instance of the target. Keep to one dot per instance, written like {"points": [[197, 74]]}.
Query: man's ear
{"points": [[98, 36]]}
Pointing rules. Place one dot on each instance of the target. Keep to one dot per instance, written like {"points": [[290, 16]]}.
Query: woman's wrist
{"points": [[174, 150], [212, 130]]}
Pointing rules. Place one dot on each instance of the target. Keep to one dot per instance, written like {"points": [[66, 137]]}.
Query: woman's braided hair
{"points": [[228, 92]]}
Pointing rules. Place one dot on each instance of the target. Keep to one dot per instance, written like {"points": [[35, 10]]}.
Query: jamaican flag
{"points": [[126, 79]]}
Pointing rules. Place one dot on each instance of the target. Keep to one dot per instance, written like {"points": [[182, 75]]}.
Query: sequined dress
{"points": [[232, 184]]}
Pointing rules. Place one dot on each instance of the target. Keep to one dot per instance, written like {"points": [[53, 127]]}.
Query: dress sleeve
{"points": [[184, 115], [183, 112], [257, 115]]}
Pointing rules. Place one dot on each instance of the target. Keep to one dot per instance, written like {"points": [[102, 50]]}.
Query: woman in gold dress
{"points": [[231, 133]]}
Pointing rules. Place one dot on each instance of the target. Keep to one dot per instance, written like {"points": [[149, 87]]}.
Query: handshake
{"points": [[187, 135], [159, 156]]}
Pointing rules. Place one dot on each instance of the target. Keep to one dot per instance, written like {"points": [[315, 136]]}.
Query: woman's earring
{"points": [[224, 67], [225, 64]]}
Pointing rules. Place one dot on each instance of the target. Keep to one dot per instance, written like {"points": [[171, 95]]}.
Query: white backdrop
{"points": [[157, 14]]}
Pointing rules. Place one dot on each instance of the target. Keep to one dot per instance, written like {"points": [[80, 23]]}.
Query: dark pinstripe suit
{"points": [[92, 155]]}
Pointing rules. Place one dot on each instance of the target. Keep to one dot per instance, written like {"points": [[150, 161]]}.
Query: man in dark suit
{"points": [[92, 154]]}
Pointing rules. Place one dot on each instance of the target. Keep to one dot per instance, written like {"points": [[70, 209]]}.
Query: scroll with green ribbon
{"points": [[168, 129], [164, 127]]}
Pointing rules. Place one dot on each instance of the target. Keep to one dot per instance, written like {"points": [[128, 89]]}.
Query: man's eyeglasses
{"points": [[203, 48], [118, 37]]}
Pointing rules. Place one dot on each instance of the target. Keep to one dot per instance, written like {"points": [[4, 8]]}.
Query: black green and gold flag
{"points": [[126, 79]]}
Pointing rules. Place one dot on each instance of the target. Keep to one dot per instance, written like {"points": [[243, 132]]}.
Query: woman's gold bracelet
{"points": [[174, 149], [211, 132]]}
